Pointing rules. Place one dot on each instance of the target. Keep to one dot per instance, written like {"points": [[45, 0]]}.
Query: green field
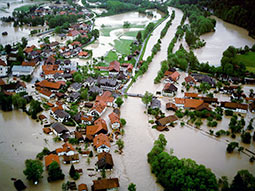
{"points": [[105, 31], [248, 59], [24, 8], [130, 33], [122, 46], [111, 56]]}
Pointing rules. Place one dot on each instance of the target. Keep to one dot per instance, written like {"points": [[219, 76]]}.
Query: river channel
{"points": [[22, 138]]}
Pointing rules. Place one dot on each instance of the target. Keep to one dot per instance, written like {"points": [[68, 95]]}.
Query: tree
{"points": [[34, 170], [58, 29], [146, 99], [119, 101], [78, 77], [35, 107], [24, 42], [55, 172], [139, 36], [120, 144], [95, 33], [84, 94], [244, 181], [8, 48], [73, 173], [231, 146], [131, 187], [246, 137], [123, 122]]}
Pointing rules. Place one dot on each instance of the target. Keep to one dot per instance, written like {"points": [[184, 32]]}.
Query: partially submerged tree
{"points": [[34, 170]]}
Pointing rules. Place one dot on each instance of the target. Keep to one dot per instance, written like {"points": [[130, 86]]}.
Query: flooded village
{"points": [[85, 95]]}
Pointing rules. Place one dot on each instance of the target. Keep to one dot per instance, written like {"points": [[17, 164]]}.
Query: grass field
{"points": [[130, 33], [248, 59], [25, 8], [111, 56], [107, 29], [122, 46]]}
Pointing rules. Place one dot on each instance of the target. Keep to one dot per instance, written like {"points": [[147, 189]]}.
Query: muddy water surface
{"points": [[217, 42]]}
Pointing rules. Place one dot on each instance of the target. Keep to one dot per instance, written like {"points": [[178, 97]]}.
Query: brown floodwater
{"points": [[217, 42]]}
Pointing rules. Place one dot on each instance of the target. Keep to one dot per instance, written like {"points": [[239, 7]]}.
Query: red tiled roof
{"points": [[100, 140], [186, 94], [47, 84], [193, 103], [114, 66], [50, 158], [114, 118], [2, 63], [174, 76]]}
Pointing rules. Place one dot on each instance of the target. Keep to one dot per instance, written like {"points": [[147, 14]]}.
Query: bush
{"points": [[231, 146], [246, 137], [229, 112]]}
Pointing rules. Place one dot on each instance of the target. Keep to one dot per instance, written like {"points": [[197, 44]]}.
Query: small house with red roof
{"points": [[3, 68], [115, 120], [102, 143], [114, 68]]}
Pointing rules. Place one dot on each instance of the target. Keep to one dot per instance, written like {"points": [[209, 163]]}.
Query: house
{"points": [[115, 120], [59, 114], [49, 85], [106, 97], [79, 136], [89, 82], [51, 158], [3, 68], [204, 78], [50, 60], [174, 76], [179, 102], [190, 80], [171, 106], [165, 121], [209, 100], [82, 187], [203, 106], [252, 107], [59, 129], [47, 94], [190, 95], [73, 34], [104, 161], [18, 70], [155, 103], [98, 109], [110, 84], [86, 120], [67, 149], [71, 159], [47, 130], [114, 67], [192, 103], [95, 90], [169, 90], [83, 54], [105, 184], [126, 68], [75, 87], [73, 97], [101, 143], [236, 107], [99, 126], [17, 87]]}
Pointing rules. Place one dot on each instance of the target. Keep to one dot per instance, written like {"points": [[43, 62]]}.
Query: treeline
{"points": [[185, 174], [199, 23], [240, 13], [120, 6], [179, 175], [168, 24]]}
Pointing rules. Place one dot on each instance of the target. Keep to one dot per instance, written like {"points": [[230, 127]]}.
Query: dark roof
{"points": [[75, 95], [59, 127], [165, 120], [104, 184], [62, 113], [104, 161], [76, 85], [169, 88], [155, 103]]}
